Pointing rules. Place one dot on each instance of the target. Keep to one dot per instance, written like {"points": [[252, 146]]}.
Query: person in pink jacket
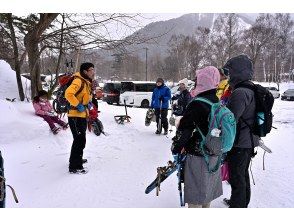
{"points": [[44, 109]]}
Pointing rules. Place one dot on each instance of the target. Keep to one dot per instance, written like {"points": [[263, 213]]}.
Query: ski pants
{"points": [[78, 127], [238, 161], [164, 120], [51, 120]]}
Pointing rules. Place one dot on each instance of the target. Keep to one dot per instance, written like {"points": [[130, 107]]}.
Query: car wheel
{"points": [[145, 103]]}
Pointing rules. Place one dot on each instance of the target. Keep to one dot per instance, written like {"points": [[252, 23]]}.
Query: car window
{"points": [[290, 91]]}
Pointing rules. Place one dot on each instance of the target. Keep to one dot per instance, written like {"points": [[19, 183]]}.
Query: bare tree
{"points": [[225, 38], [16, 58]]}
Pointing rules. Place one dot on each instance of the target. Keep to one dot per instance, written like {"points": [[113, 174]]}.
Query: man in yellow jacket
{"points": [[224, 82], [78, 113]]}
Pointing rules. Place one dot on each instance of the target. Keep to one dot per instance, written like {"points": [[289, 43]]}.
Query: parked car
{"points": [[137, 93], [274, 91], [111, 92], [288, 95]]}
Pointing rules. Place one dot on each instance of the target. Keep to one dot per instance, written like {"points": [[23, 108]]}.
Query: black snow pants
{"points": [[164, 120], [78, 127], [239, 160]]}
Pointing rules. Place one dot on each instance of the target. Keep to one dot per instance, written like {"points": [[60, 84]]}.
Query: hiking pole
{"points": [[179, 167], [251, 173], [159, 126]]}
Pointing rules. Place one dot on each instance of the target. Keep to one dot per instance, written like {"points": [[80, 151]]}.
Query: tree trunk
{"points": [[17, 62], [31, 42]]}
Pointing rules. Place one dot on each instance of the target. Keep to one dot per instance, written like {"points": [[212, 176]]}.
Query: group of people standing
{"points": [[215, 85], [201, 187]]}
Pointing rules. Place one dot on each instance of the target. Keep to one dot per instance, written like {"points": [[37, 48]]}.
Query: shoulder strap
{"points": [[203, 100], [82, 86], [240, 85]]}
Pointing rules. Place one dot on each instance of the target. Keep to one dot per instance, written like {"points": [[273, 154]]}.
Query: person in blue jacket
{"points": [[160, 100]]}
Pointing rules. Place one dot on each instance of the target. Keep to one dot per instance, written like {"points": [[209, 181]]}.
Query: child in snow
{"points": [[44, 109]]}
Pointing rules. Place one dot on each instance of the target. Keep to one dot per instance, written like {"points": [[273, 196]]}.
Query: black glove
{"points": [[175, 149]]}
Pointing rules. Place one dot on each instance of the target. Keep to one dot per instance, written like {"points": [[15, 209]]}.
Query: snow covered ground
{"points": [[122, 164]]}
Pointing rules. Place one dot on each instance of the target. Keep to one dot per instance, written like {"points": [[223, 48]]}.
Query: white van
{"points": [[137, 93]]}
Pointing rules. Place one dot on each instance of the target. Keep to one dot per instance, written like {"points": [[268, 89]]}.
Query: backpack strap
{"points": [[206, 157], [82, 86]]}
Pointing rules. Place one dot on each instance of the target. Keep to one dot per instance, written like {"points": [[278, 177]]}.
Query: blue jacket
{"points": [[163, 92]]}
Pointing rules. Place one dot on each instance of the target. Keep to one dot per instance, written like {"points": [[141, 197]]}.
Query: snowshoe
{"points": [[150, 114], [97, 127], [162, 174]]}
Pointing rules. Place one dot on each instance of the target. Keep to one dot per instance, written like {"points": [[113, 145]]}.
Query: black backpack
{"points": [[60, 103], [263, 114]]}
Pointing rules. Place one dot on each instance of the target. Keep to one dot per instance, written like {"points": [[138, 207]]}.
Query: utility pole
{"points": [[146, 49]]}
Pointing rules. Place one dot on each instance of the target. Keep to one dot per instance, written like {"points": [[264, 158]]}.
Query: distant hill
{"points": [[185, 25]]}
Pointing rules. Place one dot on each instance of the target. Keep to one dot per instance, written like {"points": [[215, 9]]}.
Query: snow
{"points": [[122, 164]]}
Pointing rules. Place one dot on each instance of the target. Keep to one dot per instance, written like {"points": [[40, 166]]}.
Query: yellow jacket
{"points": [[84, 97], [222, 87]]}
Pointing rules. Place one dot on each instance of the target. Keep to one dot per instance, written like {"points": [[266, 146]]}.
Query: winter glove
{"points": [[81, 108], [175, 149], [90, 106]]}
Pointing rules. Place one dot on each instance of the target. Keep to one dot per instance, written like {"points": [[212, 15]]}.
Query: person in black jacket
{"points": [[201, 187], [181, 98], [242, 103]]}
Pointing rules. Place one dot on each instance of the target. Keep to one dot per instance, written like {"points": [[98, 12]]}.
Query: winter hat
{"points": [[207, 79], [184, 81], [42, 93], [240, 68], [160, 80]]}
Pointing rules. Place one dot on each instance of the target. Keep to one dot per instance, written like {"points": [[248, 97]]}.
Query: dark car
{"points": [[288, 95], [111, 92]]}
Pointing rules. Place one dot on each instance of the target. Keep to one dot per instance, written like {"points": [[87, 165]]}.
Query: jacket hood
{"points": [[207, 79], [240, 69]]}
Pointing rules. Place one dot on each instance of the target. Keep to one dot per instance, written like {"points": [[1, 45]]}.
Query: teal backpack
{"points": [[221, 133]]}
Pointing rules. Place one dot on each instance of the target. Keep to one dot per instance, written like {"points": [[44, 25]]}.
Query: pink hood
{"points": [[207, 78]]}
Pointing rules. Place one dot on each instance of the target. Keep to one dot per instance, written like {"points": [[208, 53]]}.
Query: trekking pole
{"points": [[71, 66], [251, 173], [263, 166], [67, 66], [159, 126]]}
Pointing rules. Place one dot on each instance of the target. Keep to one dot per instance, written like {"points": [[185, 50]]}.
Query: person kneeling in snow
{"points": [[44, 109]]}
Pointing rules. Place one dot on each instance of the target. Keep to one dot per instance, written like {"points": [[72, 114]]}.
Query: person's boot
{"points": [[78, 171], [226, 202], [165, 132], [157, 132]]}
